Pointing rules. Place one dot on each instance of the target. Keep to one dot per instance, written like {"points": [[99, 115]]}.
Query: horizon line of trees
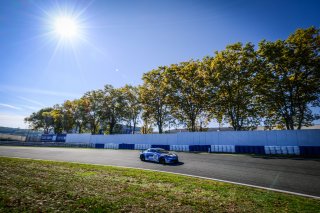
{"points": [[277, 84]]}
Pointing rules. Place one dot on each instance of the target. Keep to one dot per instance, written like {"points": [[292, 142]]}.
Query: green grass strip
{"points": [[47, 186]]}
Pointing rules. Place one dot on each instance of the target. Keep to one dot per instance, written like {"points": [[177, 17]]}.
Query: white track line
{"points": [[176, 173]]}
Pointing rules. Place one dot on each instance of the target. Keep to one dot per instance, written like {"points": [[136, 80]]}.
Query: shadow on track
{"points": [[171, 164]]}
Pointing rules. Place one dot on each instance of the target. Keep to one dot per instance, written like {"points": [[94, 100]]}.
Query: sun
{"points": [[66, 27]]}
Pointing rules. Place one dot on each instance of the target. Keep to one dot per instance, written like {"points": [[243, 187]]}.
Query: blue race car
{"points": [[158, 155]]}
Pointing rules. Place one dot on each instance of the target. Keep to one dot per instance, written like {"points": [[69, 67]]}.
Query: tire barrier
{"points": [[142, 146], [250, 149], [111, 146], [199, 148], [166, 147], [99, 146], [126, 146], [282, 150], [223, 148], [179, 148], [310, 151], [296, 150]]}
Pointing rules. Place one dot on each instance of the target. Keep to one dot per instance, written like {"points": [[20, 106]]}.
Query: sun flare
{"points": [[66, 27]]}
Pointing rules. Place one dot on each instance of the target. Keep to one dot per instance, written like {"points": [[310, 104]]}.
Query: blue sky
{"points": [[120, 40]]}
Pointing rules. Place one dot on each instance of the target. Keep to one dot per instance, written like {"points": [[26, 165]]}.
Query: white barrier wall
{"points": [[78, 138], [254, 138]]}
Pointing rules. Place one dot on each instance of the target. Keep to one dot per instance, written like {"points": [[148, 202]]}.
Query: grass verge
{"points": [[46, 186]]}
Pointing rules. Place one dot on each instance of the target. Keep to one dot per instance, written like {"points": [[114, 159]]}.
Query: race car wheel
{"points": [[162, 161], [142, 158]]}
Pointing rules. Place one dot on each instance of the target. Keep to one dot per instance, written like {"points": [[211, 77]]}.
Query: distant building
{"points": [[125, 129]]}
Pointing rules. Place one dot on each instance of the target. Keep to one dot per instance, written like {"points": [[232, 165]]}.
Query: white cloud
{"points": [[31, 107], [12, 120], [32, 101], [9, 106], [39, 91]]}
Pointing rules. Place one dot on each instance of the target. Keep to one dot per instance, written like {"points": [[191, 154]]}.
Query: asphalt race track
{"points": [[290, 174]]}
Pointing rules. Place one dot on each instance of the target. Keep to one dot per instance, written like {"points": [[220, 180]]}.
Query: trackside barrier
{"points": [[278, 150], [250, 149], [111, 146], [179, 148], [296, 150], [61, 137], [223, 148], [48, 137], [99, 145], [142, 146], [53, 138], [310, 150], [166, 147], [286, 142], [79, 138], [244, 138], [282, 150], [199, 148], [267, 150], [126, 146], [290, 150], [8, 137]]}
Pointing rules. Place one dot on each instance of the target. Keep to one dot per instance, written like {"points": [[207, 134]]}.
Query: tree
{"points": [[289, 80], [132, 105], [69, 115], [81, 110], [57, 116], [233, 70], [153, 96], [187, 96], [41, 120], [147, 124], [93, 101], [113, 107]]}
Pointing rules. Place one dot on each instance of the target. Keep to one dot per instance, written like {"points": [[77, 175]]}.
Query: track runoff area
{"points": [[292, 175]]}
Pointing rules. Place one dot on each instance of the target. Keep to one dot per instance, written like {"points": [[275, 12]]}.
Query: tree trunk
{"points": [[193, 125], [160, 128], [111, 125], [134, 126]]}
